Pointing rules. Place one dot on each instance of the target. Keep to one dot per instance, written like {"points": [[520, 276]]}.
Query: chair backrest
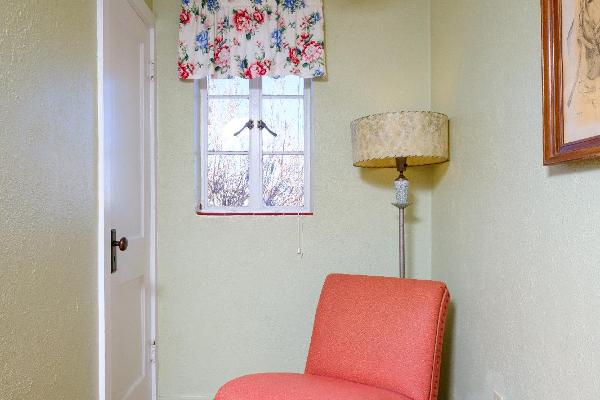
{"points": [[382, 332]]}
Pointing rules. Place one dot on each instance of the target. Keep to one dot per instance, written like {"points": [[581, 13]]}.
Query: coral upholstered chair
{"points": [[374, 338]]}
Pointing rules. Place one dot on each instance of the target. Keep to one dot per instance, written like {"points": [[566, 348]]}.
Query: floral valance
{"points": [[251, 38]]}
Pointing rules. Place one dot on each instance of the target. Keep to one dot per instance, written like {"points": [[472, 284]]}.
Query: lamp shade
{"points": [[419, 136]]}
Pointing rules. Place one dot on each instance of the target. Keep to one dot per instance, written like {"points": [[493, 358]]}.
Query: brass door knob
{"points": [[121, 243]]}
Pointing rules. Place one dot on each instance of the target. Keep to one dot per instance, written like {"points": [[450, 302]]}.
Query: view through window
{"points": [[255, 145]]}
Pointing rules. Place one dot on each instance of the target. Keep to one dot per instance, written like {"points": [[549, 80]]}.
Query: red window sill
{"points": [[207, 214]]}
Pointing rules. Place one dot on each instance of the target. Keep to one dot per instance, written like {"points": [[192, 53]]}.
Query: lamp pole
{"points": [[401, 184], [401, 245]]}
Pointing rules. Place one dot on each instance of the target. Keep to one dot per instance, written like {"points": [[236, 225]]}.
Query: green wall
{"points": [[234, 297], [517, 242], [48, 312]]}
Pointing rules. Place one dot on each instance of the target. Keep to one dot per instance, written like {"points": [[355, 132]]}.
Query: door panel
{"points": [[127, 62], [127, 200], [128, 326]]}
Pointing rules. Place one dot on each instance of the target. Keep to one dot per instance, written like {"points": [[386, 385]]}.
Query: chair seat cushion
{"points": [[282, 386]]}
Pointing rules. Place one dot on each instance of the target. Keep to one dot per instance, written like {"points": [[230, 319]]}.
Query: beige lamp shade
{"points": [[419, 136]]}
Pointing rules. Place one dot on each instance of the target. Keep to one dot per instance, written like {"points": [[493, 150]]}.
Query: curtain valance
{"points": [[251, 38]]}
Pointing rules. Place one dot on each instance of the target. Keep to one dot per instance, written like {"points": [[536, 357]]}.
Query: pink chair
{"points": [[374, 338]]}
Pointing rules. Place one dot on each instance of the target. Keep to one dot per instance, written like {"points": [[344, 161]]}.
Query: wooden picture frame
{"points": [[570, 72]]}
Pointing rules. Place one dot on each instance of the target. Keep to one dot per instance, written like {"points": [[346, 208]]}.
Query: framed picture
{"points": [[571, 79]]}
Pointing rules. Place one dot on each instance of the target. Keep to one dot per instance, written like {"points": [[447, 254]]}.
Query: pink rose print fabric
{"points": [[251, 38]]}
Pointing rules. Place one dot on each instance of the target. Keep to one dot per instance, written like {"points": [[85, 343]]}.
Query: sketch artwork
{"points": [[581, 68]]}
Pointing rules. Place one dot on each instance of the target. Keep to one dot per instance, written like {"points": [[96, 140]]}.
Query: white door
{"points": [[128, 146]]}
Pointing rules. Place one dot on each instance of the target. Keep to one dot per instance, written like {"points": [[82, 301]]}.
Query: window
{"points": [[254, 146]]}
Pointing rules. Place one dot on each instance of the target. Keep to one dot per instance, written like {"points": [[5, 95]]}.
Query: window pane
{"points": [[228, 87], [227, 181], [289, 85], [283, 181], [225, 117], [286, 118]]}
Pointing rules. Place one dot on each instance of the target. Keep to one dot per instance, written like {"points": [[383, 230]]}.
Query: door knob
{"points": [[121, 243]]}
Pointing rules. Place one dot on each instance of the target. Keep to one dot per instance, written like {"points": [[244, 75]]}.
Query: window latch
{"points": [[262, 125], [249, 125]]}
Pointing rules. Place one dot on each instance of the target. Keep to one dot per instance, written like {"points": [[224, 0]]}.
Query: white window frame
{"points": [[255, 153]]}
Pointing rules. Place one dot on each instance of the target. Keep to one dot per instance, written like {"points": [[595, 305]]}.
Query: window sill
{"points": [[258, 214]]}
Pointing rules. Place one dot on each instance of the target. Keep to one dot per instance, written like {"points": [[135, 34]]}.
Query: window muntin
{"points": [[254, 172]]}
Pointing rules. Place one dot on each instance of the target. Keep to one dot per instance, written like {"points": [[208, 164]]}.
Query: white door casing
{"points": [[127, 119]]}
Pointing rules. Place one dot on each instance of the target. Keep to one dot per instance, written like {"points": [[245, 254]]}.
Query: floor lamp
{"points": [[400, 140]]}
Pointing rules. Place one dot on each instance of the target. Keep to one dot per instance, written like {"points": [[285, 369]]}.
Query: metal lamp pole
{"points": [[401, 184]]}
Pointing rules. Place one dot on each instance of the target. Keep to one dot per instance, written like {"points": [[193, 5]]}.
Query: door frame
{"points": [[147, 17]]}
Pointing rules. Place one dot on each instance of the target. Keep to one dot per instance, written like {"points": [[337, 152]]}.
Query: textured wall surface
{"points": [[234, 297], [517, 242], [47, 200]]}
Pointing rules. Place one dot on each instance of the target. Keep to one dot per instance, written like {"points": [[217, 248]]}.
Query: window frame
{"points": [[255, 152]]}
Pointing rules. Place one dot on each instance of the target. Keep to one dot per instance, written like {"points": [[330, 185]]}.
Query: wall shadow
{"points": [[574, 167], [447, 356], [383, 178], [379, 177]]}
